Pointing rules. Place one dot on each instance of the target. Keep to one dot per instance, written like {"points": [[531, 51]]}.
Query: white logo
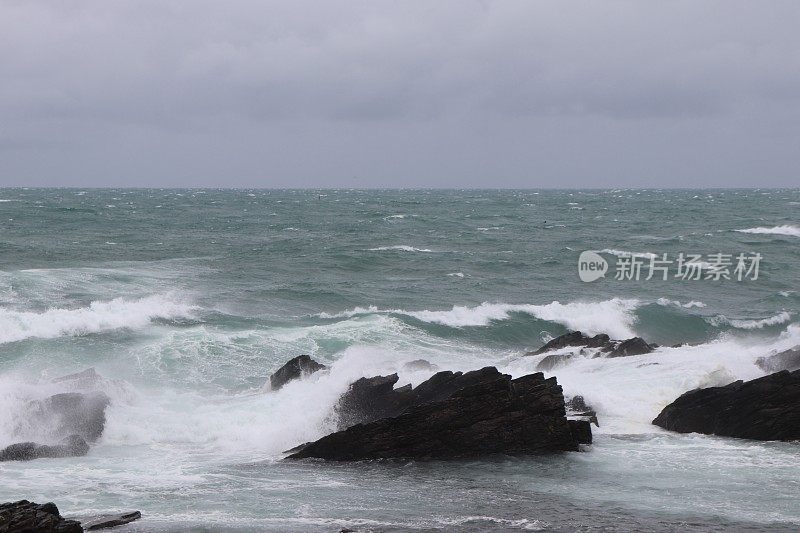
{"points": [[591, 266]]}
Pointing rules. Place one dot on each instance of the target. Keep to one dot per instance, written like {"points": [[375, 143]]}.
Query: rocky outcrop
{"points": [[577, 408], [296, 368], [573, 339], [787, 360], [766, 408], [420, 364], [634, 346], [69, 420], [455, 415], [553, 361], [370, 399], [70, 413], [72, 446], [605, 345], [27, 517]]}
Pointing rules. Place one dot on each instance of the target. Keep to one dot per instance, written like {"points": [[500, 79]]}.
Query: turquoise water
{"points": [[187, 300]]}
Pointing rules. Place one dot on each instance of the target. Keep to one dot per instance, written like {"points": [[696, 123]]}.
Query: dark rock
{"points": [[788, 360], [577, 403], [69, 413], [107, 521], [27, 517], [581, 431], [766, 408], [555, 360], [420, 364], [371, 399], [490, 414], [72, 446], [296, 368], [577, 408], [634, 346], [573, 339]]}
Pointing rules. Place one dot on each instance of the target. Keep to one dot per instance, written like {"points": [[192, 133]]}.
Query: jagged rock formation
{"points": [[786, 360], [453, 415], [296, 368], [28, 517], [766, 408], [71, 420], [602, 342]]}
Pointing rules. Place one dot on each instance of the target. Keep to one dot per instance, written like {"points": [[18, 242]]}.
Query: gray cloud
{"points": [[379, 93]]}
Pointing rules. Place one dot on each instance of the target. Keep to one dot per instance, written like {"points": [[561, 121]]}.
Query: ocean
{"points": [[187, 300]]}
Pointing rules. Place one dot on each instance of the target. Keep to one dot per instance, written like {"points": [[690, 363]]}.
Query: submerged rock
{"points": [[420, 364], [296, 368], [28, 517], [72, 446], [555, 360], [455, 415], [111, 520], [787, 360], [766, 408], [86, 379]]}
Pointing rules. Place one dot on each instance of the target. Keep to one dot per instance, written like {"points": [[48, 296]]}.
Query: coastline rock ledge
{"points": [[766, 408], [492, 414]]}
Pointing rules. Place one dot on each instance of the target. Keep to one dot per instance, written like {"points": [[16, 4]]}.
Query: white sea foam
{"points": [[615, 317], [687, 305], [97, 317], [786, 229], [623, 253], [629, 392], [780, 318], [401, 248]]}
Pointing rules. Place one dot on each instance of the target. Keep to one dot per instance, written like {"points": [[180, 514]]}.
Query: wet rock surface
{"points": [[72, 446], [28, 517], [786, 360], [766, 408], [454, 415], [296, 368], [602, 342], [95, 523]]}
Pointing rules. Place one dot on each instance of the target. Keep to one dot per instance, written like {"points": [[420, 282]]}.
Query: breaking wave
{"points": [[99, 316], [786, 229], [615, 317]]}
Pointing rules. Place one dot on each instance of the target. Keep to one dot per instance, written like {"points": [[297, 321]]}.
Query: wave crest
{"points": [[97, 317], [785, 229], [614, 317]]}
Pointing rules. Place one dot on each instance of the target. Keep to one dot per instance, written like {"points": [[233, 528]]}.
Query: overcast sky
{"points": [[369, 93]]}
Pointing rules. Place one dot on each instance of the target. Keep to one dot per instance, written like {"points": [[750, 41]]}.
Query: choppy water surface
{"points": [[186, 301]]}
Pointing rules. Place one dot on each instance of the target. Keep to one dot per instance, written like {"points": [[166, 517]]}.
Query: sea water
{"points": [[185, 301]]}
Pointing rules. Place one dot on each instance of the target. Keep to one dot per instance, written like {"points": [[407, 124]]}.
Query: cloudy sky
{"points": [[427, 93]]}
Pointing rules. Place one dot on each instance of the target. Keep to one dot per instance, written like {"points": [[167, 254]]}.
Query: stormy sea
{"points": [[184, 302]]}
